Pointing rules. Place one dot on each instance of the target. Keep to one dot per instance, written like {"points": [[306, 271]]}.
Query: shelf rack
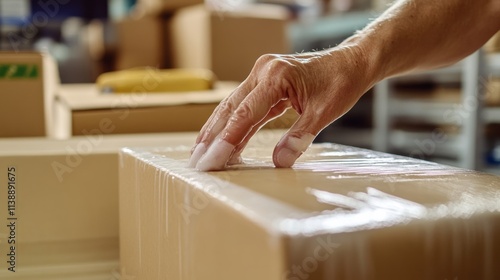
{"points": [[470, 114]]}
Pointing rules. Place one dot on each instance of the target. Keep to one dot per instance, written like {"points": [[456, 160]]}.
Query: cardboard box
{"points": [[451, 95], [493, 44], [82, 108], [64, 204], [189, 33], [228, 42], [157, 7], [141, 42], [240, 38], [493, 92], [28, 81], [239, 34], [340, 213]]}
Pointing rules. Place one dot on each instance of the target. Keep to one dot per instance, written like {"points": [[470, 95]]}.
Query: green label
{"points": [[18, 71]]}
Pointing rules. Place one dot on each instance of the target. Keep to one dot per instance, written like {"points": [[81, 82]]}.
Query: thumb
{"points": [[296, 140]]}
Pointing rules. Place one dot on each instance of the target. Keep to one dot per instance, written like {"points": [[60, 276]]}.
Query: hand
{"points": [[320, 86]]}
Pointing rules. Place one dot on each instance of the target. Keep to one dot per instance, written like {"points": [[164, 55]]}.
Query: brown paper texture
{"points": [[339, 213]]}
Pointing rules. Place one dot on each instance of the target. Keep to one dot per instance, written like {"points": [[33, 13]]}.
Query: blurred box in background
{"points": [[28, 82], [190, 37], [141, 42], [493, 44], [228, 42], [239, 38], [226, 39], [156, 7], [82, 109]]}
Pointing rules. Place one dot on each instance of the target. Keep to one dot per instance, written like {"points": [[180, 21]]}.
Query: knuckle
{"points": [[270, 82], [273, 63], [243, 114], [225, 107], [265, 58], [278, 66]]}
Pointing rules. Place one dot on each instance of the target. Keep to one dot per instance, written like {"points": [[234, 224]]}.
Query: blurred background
{"points": [[449, 115]]}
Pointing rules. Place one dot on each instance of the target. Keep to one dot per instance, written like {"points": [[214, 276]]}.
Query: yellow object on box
{"points": [[155, 80]]}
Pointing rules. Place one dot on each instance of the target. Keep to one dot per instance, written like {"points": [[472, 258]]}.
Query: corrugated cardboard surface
{"points": [[340, 213], [26, 98]]}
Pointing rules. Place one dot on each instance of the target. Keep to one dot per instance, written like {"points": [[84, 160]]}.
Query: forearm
{"points": [[422, 34]]}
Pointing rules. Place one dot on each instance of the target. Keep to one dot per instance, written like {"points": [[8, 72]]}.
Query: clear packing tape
{"points": [[339, 213]]}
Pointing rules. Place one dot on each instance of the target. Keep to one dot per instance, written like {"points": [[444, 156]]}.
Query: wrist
{"points": [[370, 53]]}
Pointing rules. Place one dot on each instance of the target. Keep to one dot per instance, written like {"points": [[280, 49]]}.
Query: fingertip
{"points": [[285, 158], [216, 156], [290, 148], [196, 154], [235, 160]]}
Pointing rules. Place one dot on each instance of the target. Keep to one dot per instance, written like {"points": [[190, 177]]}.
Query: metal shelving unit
{"points": [[471, 114]]}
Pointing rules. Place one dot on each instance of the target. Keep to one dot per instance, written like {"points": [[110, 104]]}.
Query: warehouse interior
{"points": [[87, 124]]}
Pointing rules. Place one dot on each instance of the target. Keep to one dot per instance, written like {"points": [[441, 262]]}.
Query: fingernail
{"points": [[235, 160], [287, 157], [216, 156], [198, 152], [292, 148]]}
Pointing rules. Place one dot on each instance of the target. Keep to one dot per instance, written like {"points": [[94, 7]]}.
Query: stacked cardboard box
{"points": [[156, 7], [452, 94], [141, 43], [82, 108], [239, 38], [28, 82], [189, 30], [143, 38], [493, 92], [228, 42]]}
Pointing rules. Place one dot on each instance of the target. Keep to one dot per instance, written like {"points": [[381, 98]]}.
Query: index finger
{"points": [[217, 121], [249, 113]]}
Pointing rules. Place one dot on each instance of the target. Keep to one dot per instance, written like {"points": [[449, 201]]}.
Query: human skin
{"points": [[321, 86]]}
